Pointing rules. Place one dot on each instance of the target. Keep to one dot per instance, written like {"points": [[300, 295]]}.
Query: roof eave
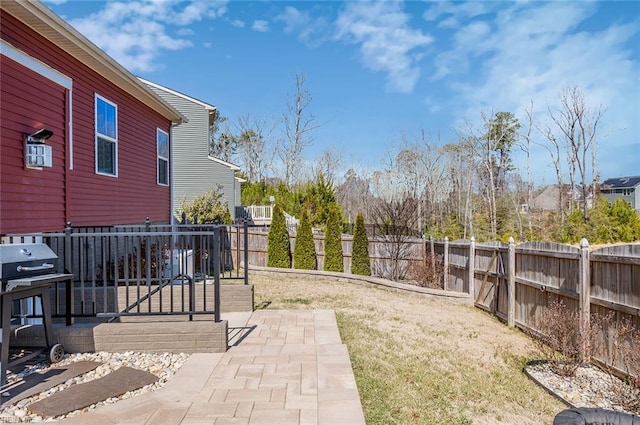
{"points": [[225, 163], [205, 105], [46, 23]]}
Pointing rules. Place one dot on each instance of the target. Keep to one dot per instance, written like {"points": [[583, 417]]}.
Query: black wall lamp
{"points": [[37, 154], [40, 136]]}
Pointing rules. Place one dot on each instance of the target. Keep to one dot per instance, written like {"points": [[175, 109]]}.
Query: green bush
{"points": [[333, 261], [314, 196], [627, 221], [304, 252], [208, 208], [616, 222], [360, 262], [279, 249]]}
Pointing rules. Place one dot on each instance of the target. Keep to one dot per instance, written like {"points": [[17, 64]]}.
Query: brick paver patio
{"points": [[286, 367]]}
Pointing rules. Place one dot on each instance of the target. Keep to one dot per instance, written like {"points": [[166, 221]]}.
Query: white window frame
{"points": [[105, 137], [161, 157]]}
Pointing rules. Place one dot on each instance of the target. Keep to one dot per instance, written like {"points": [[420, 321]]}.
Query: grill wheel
{"points": [[56, 353]]}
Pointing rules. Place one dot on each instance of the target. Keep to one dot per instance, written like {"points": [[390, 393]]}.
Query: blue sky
{"points": [[379, 72]]}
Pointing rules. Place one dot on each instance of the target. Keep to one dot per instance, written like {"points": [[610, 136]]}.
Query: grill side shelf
{"points": [[45, 279]]}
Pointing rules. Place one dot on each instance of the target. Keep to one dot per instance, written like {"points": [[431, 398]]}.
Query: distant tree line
{"points": [[465, 187]]}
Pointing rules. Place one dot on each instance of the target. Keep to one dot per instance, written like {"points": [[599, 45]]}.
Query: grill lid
{"points": [[22, 260]]}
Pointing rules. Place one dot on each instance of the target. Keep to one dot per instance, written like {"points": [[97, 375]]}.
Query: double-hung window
{"points": [[163, 157], [106, 137]]}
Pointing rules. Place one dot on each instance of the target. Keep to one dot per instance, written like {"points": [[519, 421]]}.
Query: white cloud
{"points": [[310, 30], [136, 33], [293, 19], [530, 52], [199, 9], [387, 42], [237, 23], [456, 12], [260, 26]]}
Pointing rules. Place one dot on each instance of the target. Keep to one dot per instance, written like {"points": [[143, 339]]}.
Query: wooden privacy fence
{"points": [[518, 283], [381, 250]]}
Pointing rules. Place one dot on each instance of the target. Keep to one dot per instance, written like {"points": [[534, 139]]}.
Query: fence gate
{"points": [[491, 280]]}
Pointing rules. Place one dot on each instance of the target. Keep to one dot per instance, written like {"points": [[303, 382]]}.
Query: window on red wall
{"points": [[106, 137], [163, 157]]}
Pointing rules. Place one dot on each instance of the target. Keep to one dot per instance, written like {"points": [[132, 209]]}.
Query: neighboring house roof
{"points": [[176, 93], [46, 23], [225, 163], [197, 102], [621, 182], [547, 199]]}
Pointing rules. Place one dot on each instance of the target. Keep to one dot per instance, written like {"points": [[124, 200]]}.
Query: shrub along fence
{"points": [[384, 253], [518, 283]]}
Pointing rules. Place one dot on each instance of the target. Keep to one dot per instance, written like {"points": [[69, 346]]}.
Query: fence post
{"points": [[585, 296], [216, 274], [68, 310], [511, 273], [472, 268], [445, 266], [246, 251], [433, 252]]}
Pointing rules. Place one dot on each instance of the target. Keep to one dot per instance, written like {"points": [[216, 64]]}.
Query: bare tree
{"points": [[250, 145], [220, 146], [526, 138], [329, 164], [491, 146], [577, 126], [354, 195], [395, 223], [555, 152], [299, 125], [254, 147], [461, 161], [421, 166]]}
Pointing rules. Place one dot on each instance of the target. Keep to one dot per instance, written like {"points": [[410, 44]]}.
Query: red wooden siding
{"points": [[96, 200], [30, 200]]}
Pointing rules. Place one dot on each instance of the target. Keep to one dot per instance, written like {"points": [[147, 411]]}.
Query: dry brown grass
{"points": [[419, 360]]}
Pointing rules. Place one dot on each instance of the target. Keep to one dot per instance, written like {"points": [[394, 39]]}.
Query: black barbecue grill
{"points": [[27, 271]]}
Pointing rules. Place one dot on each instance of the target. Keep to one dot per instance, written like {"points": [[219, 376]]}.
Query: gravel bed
{"points": [[588, 387], [163, 365]]}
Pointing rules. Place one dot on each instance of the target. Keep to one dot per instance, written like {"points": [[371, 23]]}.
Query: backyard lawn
{"points": [[419, 360]]}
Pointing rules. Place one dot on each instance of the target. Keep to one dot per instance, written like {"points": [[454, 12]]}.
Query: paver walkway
{"points": [[288, 367]]}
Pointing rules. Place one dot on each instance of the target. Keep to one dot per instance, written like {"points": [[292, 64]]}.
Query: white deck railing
{"points": [[262, 214]]}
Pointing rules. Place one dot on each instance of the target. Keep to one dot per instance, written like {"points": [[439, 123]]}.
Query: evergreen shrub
{"points": [[278, 249], [333, 261], [360, 262], [304, 252]]}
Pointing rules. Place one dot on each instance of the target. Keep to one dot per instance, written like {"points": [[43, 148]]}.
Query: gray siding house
{"points": [[627, 188], [194, 170]]}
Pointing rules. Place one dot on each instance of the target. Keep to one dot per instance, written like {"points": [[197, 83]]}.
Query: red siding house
{"points": [[81, 139]]}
